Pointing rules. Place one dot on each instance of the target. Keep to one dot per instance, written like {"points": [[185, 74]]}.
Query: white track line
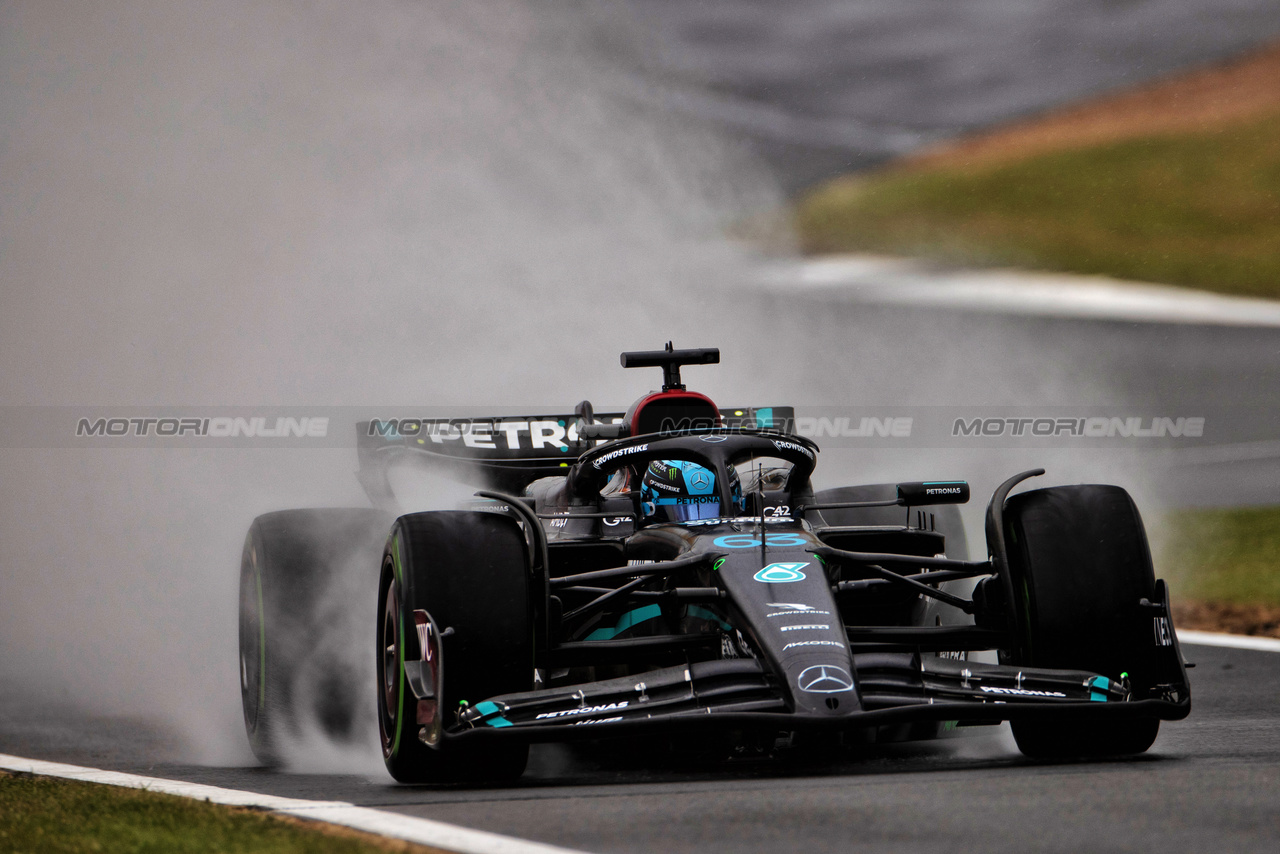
{"points": [[903, 281], [1233, 641], [423, 831]]}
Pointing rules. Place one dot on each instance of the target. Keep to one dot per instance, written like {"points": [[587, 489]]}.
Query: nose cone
{"points": [[786, 598]]}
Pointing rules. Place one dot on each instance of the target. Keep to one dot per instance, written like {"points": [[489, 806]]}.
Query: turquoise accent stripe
{"points": [[764, 417], [629, 619], [1097, 684], [487, 708], [704, 614]]}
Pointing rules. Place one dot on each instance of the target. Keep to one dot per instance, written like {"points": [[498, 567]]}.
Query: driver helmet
{"points": [[679, 491]]}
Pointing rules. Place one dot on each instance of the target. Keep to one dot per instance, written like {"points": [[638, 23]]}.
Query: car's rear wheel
{"points": [[469, 572], [298, 571], [1080, 565]]}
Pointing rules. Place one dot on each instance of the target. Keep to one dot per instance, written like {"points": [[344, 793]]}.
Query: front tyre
{"points": [[1080, 565], [469, 571]]}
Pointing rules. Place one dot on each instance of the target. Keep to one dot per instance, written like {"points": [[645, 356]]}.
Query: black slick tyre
{"points": [[298, 572], [1080, 565], [468, 571]]}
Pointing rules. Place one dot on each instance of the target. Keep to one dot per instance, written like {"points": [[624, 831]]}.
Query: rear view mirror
{"points": [[933, 492]]}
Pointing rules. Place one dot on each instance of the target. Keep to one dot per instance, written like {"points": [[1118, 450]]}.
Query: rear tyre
{"points": [[469, 572], [298, 571], [1080, 564]]}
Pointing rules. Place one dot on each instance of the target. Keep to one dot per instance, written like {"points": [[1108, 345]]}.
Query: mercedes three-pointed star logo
{"points": [[699, 480], [825, 679]]}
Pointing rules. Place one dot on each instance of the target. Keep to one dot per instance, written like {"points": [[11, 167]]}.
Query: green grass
{"points": [[48, 815], [1201, 210], [1228, 555]]}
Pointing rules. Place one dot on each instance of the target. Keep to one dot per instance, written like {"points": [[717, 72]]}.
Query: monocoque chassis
{"points": [[559, 614]]}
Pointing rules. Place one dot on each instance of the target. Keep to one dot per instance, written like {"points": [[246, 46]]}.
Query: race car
{"points": [[671, 570]]}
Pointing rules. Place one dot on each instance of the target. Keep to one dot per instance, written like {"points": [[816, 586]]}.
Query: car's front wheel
{"points": [[1080, 568], [463, 576]]}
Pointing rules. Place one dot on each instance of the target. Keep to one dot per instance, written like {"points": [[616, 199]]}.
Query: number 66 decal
{"points": [[747, 541]]}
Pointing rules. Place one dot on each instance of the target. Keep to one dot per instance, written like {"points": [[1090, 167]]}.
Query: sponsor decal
{"points": [[714, 439], [597, 721], [621, 452], [781, 573], [783, 445], [954, 655], [615, 521], [748, 541], [824, 679], [801, 610], [943, 490], [584, 710], [1021, 692], [699, 480], [689, 499], [807, 627], [777, 510], [479, 434], [811, 643]]}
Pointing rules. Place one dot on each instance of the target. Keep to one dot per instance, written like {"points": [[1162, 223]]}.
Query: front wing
{"points": [[739, 693]]}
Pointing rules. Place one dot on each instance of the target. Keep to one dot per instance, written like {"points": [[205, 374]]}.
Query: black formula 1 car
{"points": [[671, 570]]}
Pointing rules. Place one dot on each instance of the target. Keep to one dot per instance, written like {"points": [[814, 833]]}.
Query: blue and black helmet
{"points": [[679, 490]]}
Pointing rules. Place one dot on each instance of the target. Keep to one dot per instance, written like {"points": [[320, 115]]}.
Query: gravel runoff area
{"points": [[1199, 100], [1235, 619]]}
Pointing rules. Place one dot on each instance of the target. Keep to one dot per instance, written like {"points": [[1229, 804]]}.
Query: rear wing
{"points": [[505, 453]]}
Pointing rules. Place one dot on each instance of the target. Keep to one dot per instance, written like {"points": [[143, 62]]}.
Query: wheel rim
{"points": [[390, 641]]}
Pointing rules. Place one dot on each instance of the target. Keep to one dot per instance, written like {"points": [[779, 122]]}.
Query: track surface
{"points": [[1210, 782], [822, 86]]}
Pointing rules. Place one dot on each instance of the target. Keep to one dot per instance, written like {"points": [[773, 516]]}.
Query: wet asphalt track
{"points": [[1211, 782]]}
